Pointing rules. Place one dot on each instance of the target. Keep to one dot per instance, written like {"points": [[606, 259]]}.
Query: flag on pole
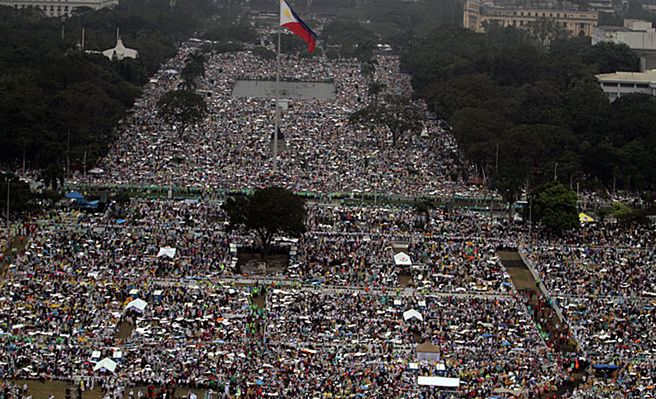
{"points": [[290, 20]]}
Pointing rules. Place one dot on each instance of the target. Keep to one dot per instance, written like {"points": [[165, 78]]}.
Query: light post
{"points": [[8, 230]]}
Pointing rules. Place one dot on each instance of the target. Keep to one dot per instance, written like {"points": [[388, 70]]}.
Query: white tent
{"points": [[106, 364], [439, 381], [138, 305], [120, 51], [409, 314], [402, 259], [166, 251]]}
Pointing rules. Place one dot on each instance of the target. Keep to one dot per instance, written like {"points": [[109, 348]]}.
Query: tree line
{"points": [[60, 105], [525, 113]]}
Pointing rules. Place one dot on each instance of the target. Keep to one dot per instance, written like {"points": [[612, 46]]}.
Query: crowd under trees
{"points": [[540, 108]]}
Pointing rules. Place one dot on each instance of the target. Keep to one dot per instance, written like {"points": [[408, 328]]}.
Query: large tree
{"points": [[267, 213], [181, 108], [20, 195], [554, 206], [399, 114]]}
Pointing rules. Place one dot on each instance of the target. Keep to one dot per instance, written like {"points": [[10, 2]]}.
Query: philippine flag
{"points": [[290, 20]]}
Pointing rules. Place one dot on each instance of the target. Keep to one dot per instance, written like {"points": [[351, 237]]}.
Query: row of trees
{"points": [[525, 114], [60, 105]]}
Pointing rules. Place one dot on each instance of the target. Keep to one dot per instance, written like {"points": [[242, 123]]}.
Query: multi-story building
{"points": [[477, 15], [58, 8], [617, 84], [639, 35]]}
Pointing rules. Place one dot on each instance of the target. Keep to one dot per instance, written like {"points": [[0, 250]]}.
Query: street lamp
{"points": [[8, 232]]}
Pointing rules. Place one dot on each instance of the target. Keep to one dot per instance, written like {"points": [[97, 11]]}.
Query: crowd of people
{"points": [[603, 280], [156, 293], [324, 152], [65, 304]]}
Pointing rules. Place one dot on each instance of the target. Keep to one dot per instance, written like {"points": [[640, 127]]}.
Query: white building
{"points": [[58, 8], [639, 35], [617, 84]]}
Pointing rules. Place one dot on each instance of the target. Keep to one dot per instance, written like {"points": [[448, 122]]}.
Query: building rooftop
{"points": [[639, 77]]}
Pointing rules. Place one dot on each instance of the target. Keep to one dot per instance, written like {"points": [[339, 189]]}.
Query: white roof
{"points": [[138, 304], [167, 251], [120, 51], [409, 314], [639, 77], [106, 364], [439, 381], [402, 259]]}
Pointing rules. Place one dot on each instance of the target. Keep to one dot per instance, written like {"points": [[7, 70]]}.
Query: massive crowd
{"points": [[324, 153], [65, 299], [603, 279], [158, 287]]}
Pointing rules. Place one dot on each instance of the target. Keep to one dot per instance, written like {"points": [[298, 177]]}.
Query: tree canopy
{"points": [[398, 114], [539, 105], [61, 103], [20, 196], [181, 108], [554, 207], [268, 212]]}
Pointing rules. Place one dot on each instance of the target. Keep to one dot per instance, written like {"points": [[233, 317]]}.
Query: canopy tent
{"points": [[166, 251], [137, 305], [120, 51], [410, 314], [605, 367], [438, 381], [74, 195], [428, 351], [106, 364], [583, 218], [402, 259]]}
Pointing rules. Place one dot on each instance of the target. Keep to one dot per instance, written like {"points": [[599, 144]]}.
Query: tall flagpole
{"points": [[277, 123]]}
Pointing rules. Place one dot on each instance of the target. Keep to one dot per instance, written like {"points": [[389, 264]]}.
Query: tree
{"points": [[180, 108], [194, 69], [20, 196], [269, 212], [554, 206], [546, 30], [368, 69], [374, 89], [397, 113]]}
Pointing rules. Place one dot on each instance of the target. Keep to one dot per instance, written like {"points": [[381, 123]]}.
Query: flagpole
{"points": [[277, 122]]}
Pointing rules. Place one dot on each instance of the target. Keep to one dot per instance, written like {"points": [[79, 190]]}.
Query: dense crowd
{"points": [[324, 153], [603, 279], [160, 288]]}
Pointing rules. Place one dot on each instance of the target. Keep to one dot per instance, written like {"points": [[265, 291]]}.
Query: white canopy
{"points": [[106, 364], [138, 304], [402, 259], [120, 51], [439, 381], [166, 251], [409, 314]]}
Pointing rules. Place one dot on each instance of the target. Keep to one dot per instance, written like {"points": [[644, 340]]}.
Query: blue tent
{"points": [[74, 195]]}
